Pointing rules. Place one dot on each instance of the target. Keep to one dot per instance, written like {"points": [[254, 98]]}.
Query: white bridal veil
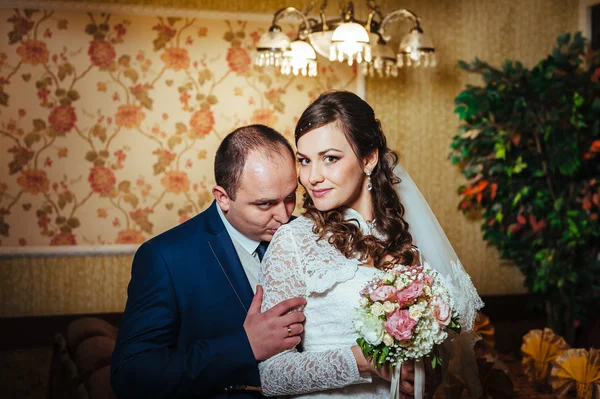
{"points": [[437, 251]]}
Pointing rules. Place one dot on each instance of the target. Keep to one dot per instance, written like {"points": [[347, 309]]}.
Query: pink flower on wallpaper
{"points": [[176, 182], [62, 118], [129, 115], [102, 53], [102, 180], [176, 58], [264, 116], [63, 239], [202, 122], [130, 236], [33, 181], [238, 59], [33, 52]]}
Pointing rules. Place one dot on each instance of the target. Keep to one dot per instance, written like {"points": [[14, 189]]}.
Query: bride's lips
{"points": [[320, 193]]}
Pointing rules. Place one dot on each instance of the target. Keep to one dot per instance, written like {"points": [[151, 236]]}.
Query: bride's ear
{"points": [[371, 160]]}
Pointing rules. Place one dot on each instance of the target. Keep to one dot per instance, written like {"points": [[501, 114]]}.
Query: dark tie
{"points": [[261, 249]]}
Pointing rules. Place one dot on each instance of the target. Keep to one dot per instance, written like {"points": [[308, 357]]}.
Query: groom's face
{"points": [[266, 196]]}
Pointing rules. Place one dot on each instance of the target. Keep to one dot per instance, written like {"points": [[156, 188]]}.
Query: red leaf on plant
{"points": [[595, 146], [521, 219], [535, 225], [586, 203], [513, 228], [493, 190]]}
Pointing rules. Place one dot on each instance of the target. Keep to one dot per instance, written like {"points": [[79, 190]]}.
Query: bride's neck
{"points": [[365, 210]]}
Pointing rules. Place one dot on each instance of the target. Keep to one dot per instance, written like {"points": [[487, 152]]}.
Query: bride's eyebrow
{"points": [[299, 154]]}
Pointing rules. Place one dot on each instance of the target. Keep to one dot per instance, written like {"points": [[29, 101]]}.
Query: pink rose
{"points": [[399, 325], [441, 310], [427, 279], [383, 293], [410, 293]]}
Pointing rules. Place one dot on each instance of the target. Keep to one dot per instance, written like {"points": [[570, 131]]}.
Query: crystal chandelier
{"points": [[344, 39]]}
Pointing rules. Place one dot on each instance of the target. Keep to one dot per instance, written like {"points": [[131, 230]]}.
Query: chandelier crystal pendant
{"points": [[300, 59], [344, 39]]}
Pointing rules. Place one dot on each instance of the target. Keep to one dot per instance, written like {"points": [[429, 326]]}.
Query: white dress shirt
{"points": [[252, 269]]}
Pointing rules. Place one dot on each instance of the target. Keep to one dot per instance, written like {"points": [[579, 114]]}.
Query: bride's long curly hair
{"points": [[357, 120]]}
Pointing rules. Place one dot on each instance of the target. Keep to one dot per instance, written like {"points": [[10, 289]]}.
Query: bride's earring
{"points": [[369, 184]]}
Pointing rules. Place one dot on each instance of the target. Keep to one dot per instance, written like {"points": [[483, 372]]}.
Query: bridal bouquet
{"points": [[404, 314]]}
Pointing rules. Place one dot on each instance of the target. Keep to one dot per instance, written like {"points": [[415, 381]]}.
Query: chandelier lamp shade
{"points": [[344, 39]]}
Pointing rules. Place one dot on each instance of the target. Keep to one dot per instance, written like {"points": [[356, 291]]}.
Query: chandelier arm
{"points": [[323, 6], [372, 5], [293, 11], [393, 16], [309, 7]]}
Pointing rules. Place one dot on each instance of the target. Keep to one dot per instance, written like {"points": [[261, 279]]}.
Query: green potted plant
{"points": [[529, 147]]}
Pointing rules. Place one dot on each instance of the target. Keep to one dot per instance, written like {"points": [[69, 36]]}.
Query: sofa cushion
{"points": [[93, 354], [86, 327]]}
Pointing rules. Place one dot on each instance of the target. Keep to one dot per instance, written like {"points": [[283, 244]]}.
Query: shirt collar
{"points": [[247, 243]]}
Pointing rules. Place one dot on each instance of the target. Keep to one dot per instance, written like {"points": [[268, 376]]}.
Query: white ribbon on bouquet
{"points": [[419, 387]]}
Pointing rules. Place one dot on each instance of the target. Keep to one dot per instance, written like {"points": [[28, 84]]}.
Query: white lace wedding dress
{"points": [[296, 264]]}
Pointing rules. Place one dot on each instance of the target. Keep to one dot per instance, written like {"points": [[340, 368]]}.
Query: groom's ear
{"points": [[221, 197], [371, 160]]}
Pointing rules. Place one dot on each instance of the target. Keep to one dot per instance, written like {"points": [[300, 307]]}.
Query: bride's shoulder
{"points": [[298, 227]]}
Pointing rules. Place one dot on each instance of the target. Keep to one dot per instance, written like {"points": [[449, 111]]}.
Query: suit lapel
{"points": [[225, 254]]}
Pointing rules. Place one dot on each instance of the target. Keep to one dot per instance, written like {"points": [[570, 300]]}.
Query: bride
{"points": [[355, 224]]}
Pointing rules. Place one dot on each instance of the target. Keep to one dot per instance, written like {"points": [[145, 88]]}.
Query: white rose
{"points": [[415, 312], [400, 284], [371, 329], [388, 307], [388, 340], [377, 309], [389, 278], [363, 302]]}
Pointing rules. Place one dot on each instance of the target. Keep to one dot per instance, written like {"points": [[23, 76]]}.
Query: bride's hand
{"points": [[365, 364]]}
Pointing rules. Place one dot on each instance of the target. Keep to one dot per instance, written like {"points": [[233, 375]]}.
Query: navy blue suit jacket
{"points": [[182, 334]]}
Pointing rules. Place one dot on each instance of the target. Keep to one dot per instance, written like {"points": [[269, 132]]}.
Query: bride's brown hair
{"points": [[357, 121]]}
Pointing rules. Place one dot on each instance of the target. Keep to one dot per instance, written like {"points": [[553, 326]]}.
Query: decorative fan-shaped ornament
{"points": [[486, 330], [495, 383], [539, 348], [578, 370]]}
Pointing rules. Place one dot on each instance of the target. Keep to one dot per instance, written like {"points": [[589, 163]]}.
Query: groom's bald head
{"points": [[255, 172], [234, 149]]}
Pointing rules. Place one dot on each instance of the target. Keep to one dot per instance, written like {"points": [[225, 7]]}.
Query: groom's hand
{"points": [[433, 378], [276, 329]]}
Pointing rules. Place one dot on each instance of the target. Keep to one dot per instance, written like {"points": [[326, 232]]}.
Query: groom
{"points": [[191, 327]]}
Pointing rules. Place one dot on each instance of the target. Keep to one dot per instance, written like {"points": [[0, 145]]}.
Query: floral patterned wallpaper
{"points": [[109, 123]]}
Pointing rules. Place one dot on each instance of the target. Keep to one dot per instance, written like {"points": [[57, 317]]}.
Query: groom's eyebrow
{"points": [[264, 200]]}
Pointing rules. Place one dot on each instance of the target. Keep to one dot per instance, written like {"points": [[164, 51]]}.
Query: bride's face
{"points": [[330, 171]]}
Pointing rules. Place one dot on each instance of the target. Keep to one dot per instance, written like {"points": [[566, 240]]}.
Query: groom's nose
{"points": [[281, 212]]}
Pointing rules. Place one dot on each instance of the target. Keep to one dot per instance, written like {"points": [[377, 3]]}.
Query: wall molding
{"points": [[62, 251], [134, 9]]}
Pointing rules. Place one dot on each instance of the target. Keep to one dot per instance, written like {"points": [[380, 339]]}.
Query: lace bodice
{"points": [[296, 264]]}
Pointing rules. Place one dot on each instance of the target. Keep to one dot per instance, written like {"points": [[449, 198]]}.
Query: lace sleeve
{"points": [[291, 372]]}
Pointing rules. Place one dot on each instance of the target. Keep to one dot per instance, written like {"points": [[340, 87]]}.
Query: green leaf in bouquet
{"points": [[383, 355], [376, 362]]}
